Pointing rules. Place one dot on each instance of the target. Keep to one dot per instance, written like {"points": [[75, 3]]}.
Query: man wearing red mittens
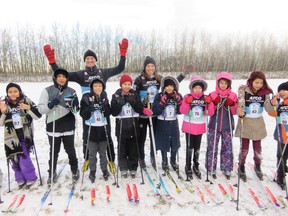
{"points": [[84, 77]]}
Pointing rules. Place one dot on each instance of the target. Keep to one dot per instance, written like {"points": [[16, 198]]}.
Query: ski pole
{"points": [[52, 159], [119, 144], [238, 180], [188, 146], [9, 180], [1, 179], [39, 172]]}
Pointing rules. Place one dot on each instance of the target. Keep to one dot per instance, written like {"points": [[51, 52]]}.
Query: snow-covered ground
{"points": [[181, 203]]}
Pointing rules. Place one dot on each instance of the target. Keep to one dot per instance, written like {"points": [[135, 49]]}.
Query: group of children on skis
{"points": [[136, 106]]}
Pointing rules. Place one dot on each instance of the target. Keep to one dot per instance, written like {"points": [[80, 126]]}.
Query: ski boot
{"points": [[214, 176], [21, 185], [242, 173], [92, 176], [280, 182], [165, 166], [133, 174], [49, 180], [142, 164], [75, 175], [106, 174], [227, 174], [124, 174], [188, 172], [85, 166], [174, 166], [197, 171], [258, 171], [29, 184]]}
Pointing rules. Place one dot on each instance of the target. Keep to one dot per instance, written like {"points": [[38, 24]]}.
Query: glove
{"points": [[121, 101], [177, 98], [189, 99], [216, 100], [208, 99], [130, 99], [229, 102], [49, 54], [123, 47], [163, 99], [188, 68], [92, 108], [54, 102], [76, 102], [285, 102], [147, 112]]}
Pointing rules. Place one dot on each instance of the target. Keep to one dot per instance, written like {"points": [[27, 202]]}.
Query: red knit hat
{"points": [[125, 78]]}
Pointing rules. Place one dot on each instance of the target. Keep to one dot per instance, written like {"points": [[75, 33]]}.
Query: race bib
{"points": [[16, 118], [196, 117], [97, 119], [254, 110], [169, 113], [284, 118]]}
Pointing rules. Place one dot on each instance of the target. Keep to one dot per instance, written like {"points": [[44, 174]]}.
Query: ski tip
{"points": [[277, 204], [137, 201], [66, 211], [178, 190]]}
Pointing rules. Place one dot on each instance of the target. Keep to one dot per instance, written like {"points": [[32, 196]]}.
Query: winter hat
{"points": [[125, 78], [197, 80], [97, 80], [224, 76], [149, 60], [60, 71], [89, 53], [169, 80], [283, 86], [10, 85]]}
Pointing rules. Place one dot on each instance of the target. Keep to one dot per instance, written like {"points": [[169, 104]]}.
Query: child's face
{"points": [[97, 88], [126, 86], [13, 93], [283, 94], [223, 84], [169, 89], [257, 84], [150, 69], [197, 89], [61, 79]]}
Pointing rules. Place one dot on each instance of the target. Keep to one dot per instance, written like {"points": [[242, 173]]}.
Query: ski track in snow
{"points": [[181, 203]]}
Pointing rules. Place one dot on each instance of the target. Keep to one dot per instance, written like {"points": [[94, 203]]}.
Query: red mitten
{"points": [[123, 47], [189, 99], [147, 112], [208, 99], [285, 102], [49, 54], [217, 100], [229, 102]]}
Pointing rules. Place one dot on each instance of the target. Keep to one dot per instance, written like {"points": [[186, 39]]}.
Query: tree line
{"points": [[21, 50]]}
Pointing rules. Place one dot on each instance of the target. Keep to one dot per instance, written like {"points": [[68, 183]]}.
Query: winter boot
{"points": [[133, 174], [92, 176], [21, 185], [242, 173], [75, 175], [49, 179], [214, 176], [85, 166], [188, 172], [258, 171], [106, 174], [197, 171], [280, 181], [227, 174], [29, 184]]}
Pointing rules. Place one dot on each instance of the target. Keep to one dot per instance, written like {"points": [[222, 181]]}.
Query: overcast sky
{"points": [[220, 16]]}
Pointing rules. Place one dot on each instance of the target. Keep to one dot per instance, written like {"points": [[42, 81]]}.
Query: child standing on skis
{"points": [[253, 98], [221, 124], [166, 107], [17, 114], [126, 106], [58, 102], [281, 132], [94, 110], [195, 106]]}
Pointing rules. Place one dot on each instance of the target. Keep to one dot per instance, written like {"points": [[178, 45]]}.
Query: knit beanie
{"points": [[60, 71], [201, 84], [10, 85], [89, 53], [125, 78], [149, 60], [169, 82], [283, 86]]}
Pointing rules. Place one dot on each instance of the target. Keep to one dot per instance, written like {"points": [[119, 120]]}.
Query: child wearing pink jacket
{"points": [[195, 107]]}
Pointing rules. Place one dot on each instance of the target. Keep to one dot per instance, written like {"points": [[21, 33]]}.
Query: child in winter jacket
{"points": [[126, 107], [195, 107], [221, 124], [17, 114], [58, 102], [253, 98], [147, 86], [166, 107], [94, 110], [281, 132]]}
